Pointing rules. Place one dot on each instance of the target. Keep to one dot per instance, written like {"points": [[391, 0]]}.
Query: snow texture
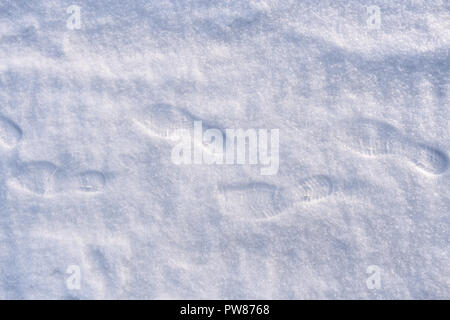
{"points": [[92, 207]]}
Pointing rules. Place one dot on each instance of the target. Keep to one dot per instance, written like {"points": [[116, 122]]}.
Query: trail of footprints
{"points": [[43, 177], [364, 136], [262, 201]]}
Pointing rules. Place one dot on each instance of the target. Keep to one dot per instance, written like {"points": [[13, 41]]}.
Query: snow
{"points": [[93, 207]]}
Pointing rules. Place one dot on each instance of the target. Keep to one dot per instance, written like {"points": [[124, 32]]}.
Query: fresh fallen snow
{"points": [[88, 187]]}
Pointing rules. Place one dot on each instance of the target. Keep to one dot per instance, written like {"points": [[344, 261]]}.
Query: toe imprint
{"points": [[427, 158]]}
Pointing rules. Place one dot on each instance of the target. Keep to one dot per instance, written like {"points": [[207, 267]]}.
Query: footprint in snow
{"points": [[253, 201], [375, 138], [45, 178], [258, 201], [162, 120]]}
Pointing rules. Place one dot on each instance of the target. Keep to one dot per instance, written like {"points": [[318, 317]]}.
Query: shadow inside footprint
{"points": [[10, 133]]}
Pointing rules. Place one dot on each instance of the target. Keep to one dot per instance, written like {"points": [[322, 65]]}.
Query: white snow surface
{"points": [[364, 141]]}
